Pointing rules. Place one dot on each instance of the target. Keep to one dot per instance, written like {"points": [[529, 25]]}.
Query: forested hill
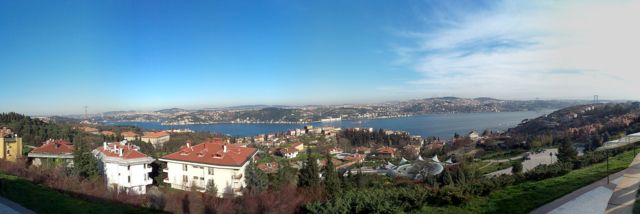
{"points": [[34, 131]]}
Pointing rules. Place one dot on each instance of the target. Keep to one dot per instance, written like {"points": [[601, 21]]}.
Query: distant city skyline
{"points": [[57, 57]]}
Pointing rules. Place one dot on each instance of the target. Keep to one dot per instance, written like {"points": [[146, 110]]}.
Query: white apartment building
{"points": [[212, 161], [124, 167]]}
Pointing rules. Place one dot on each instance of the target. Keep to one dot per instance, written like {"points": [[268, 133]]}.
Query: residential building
{"points": [[474, 135], [129, 136], [11, 145], [269, 168], [124, 167], [108, 133], [362, 150], [90, 130], [386, 152], [291, 151], [157, 139], [209, 162], [53, 153]]}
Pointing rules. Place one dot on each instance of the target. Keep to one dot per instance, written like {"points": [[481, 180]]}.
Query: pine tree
{"points": [[211, 188], [85, 164], [331, 180], [256, 180], [308, 176], [566, 152]]}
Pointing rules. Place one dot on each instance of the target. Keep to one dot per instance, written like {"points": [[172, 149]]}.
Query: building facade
{"points": [[11, 145], [53, 153], [124, 167], [157, 139], [129, 136], [209, 162]]}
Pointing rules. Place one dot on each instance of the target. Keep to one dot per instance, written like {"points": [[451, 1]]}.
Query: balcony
{"points": [[165, 170], [237, 176]]}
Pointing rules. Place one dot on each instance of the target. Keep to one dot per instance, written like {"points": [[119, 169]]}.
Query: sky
{"points": [[58, 56]]}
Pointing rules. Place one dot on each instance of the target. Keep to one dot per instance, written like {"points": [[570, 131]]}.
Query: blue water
{"points": [[438, 125]]}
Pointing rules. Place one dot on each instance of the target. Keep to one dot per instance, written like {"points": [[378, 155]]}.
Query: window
{"points": [[129, 178], [184, 167], [201, 178], [210, 170], [129, 167], [185, 179], [146, 177]]}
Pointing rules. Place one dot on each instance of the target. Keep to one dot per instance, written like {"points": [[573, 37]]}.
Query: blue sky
{"points": [[57, 56]]}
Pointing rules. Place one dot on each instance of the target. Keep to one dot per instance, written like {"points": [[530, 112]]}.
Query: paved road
{"points": [[10, 207], [535, 160]]}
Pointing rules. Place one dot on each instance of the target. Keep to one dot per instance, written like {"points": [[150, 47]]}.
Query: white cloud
{"points": [[551, 50]]}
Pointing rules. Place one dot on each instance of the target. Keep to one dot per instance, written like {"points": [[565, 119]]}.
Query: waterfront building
{"points": [[124, 167], [53, 153], [195, 166], [11, 145], [157, 139]]}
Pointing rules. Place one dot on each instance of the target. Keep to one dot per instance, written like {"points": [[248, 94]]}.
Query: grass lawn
{"points": [[525, 197], [42, 199]]}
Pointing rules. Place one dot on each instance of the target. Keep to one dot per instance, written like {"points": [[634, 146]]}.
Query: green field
{"points": [[525, 197], [42, 199]]}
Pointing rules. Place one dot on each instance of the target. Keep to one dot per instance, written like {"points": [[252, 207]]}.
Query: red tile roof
{"points": [[89, 129], [155, 134], [386, 150], [129, 134], [54, 147], [269, 167], [108, 133], [128, 151], [212, 152]]}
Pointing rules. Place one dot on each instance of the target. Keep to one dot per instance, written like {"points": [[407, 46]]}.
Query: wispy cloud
{"points": [[524, 50]]}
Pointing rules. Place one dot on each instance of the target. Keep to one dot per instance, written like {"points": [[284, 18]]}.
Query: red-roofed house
{"points": [[90, 130], [129, 136], [291, 151], [386, 152], [269, 168], [124, 167], [108, 133], [52, 153], [212, 161], [157, 139]]}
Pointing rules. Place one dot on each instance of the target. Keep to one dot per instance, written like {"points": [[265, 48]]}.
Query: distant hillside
{"points": [[482, 104], [588, 119]]}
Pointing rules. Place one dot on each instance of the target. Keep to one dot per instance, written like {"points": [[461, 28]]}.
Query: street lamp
{"points": [[607, 151]]}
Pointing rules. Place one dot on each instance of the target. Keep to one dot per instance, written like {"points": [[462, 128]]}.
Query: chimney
{"points": [[120, 152], [188, 144], [224, 148], [104, 145]]}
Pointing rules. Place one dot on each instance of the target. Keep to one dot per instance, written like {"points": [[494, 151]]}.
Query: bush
{"points": [[548, 171]]}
